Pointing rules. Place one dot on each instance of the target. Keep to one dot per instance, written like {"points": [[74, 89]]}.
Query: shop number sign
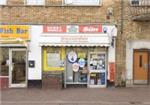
{"points": [[72, 57]]}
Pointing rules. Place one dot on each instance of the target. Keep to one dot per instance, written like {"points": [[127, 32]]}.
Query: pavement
{"points": [[77, 96]]}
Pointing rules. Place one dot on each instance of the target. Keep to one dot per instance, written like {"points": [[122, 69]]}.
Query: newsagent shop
{"points": [[62, 55], [86, 53]]}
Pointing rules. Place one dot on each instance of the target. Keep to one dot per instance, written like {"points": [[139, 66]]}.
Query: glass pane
{"points": [[4, 61], [2, 2], [35, 2], [53, 57], [19, 66], [81, 74]]}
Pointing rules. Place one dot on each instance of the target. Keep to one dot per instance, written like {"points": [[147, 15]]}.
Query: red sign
{"points": [[112, 71], [54, 29], [90, 28]]}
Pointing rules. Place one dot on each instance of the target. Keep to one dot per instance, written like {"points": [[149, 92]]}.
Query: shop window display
{"points": [[53, 58], [97, 68], [76, 72]]}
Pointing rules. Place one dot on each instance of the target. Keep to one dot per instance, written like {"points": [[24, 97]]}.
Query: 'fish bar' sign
{"points": [[14, 31]]}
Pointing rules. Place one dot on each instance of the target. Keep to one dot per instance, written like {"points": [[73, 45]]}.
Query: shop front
{"points": [[13, 55], [85, 54]]}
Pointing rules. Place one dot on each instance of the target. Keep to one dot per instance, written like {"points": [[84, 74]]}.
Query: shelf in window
{"points": [[94, 71], [97, 71], [76, 82]]}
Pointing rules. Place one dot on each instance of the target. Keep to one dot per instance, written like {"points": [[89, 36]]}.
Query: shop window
{"points": [[35, 2], [4, 61], [83, 2], [2, 2], [76, 71], [53, 58]]}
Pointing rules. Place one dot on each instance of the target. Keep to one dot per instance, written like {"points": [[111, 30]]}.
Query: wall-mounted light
{"points": [[109, 12]]}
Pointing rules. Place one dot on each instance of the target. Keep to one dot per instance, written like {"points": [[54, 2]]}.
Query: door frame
{"points": [[148, 74], [11, 85]]}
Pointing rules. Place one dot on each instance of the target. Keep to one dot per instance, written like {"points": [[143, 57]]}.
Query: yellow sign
{"points": [[14, 31]]}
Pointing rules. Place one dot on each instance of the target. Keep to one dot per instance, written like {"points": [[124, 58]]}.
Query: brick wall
{"points": [[52, 12], [132, 30], [52, 79], [4, 83]]}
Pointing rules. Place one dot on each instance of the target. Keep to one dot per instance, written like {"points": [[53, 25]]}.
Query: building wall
{"points": [[17, 13], [54, 13], [133, 31], [35, 53]]}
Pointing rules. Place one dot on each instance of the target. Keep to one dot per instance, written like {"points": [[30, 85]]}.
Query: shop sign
{"points": [[75, 67], [72, 29], [14, 31], [54, 29], [72, 57], [103, 78], [90, 28], [74, 39], [111, 30], [81, 62]]}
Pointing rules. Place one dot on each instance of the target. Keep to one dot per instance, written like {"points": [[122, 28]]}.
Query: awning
{"points": [[102, 40], [80, 45]]}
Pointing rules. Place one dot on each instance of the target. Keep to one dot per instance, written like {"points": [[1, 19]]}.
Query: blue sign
{"points": [[81, 62], [72, 57], [102, 76]]}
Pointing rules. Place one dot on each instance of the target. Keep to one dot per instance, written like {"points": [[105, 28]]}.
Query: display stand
{"points": [[97, 70]]}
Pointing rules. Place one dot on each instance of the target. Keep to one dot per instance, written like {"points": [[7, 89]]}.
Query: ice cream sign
{"points": [[14, 31]]}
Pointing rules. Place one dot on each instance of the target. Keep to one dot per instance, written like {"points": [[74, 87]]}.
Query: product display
{"points": [[97, 69]]}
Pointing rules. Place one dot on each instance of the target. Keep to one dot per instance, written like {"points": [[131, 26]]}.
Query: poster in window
{"points": [[53, 59], [72, 57]]}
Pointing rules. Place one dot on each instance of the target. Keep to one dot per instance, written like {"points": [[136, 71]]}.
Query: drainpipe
{"points": [[122, 20]]}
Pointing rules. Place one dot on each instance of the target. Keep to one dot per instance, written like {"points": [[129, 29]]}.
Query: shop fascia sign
{"points": [[72, 29], [14, 31], [49, 30]]}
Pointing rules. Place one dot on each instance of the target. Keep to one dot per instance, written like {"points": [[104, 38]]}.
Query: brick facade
{"points": [[54, 13]]}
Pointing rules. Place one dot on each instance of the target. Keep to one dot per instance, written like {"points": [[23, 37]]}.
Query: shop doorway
{"points": [[141, 67], [86, 66], [76, 66], [17, 68]]}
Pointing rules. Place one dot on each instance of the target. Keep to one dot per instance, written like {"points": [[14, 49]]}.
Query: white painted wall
{"points": [[35, 53], [130, 46]]}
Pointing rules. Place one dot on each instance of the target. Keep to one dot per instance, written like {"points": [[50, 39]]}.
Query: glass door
{"points": [[76, 66], [97, 68], [17, 70]]}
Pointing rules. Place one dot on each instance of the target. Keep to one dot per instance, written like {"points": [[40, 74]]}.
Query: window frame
{"points": [[3, 2], [74, 3], [44, 60], [139, 3], [34, 4]]}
